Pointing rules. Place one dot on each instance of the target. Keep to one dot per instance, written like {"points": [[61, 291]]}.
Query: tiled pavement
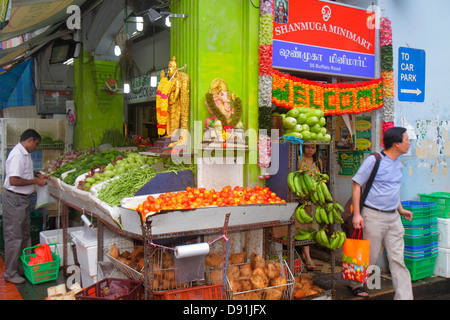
{"points": [[8, 291]]}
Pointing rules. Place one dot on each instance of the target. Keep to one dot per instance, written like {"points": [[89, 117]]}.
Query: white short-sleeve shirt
{"points": [[19, 164]]}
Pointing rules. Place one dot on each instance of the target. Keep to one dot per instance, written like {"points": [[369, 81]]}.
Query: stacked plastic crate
{"points": [[421, 238], [442, 200]]}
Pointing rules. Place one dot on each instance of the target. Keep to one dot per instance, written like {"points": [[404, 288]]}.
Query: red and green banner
{"points": [[333, 98]]}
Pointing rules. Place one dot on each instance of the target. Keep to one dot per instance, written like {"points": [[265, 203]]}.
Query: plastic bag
{"points": [[355, 258], [43, 197]]}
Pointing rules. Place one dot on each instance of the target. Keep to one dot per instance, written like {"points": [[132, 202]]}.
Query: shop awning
{"points": [[9, 81], [43, 18], [28, 16]]}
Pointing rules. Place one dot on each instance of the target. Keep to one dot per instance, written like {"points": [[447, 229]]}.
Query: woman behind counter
{"points": [[310, 165]]}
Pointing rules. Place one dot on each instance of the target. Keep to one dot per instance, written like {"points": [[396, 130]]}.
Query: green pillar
{"points": [[219, 39], [96, 108]]}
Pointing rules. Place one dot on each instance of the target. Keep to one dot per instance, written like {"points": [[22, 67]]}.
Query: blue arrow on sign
{"points": [[411, 74]]}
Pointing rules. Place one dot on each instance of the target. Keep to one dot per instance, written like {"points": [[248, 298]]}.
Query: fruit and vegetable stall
{"points": [[128, 193]]}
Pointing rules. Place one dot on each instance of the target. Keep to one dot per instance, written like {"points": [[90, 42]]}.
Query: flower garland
{"points": [[387, 70], [162, 104], [237, 112], [265, 84], [335, 98]]}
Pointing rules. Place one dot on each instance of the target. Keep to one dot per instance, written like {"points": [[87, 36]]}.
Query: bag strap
{"points": [[371, 178], [357, 236]]}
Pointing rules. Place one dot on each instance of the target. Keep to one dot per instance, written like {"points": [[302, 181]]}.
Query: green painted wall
{"points": [[219, 39], [96, 109]]}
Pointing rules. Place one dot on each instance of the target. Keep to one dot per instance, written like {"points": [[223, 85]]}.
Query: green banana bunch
{"points": [[321, 215], [302, 216], [326, 193], [305, 235], [338, 207], [296, 184], [309, 182], [318, 214], [321, 238], [324, 177], [320, 195], [332, 214], [290, 181], [335, 241], [303, 185], [337, 216]]}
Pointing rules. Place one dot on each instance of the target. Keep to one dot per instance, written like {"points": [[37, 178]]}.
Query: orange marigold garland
{"points": [[336, 98], [162, 103]]}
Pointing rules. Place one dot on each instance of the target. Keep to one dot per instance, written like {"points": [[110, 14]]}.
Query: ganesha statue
{"points": [[225, 108]]}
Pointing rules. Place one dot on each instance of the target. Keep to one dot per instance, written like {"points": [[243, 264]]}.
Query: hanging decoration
{"points": [[333, 98], [162, 103], [265, 85], [387, 70]]}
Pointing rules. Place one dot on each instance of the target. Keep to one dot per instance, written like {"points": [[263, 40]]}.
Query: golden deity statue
{"points": [[178, 102]]}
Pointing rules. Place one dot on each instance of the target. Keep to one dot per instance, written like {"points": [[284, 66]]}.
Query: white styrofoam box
{"points": [[442, 266], [216, 172], [87, 247], [86, 279], [443, 232], [56, 236]]}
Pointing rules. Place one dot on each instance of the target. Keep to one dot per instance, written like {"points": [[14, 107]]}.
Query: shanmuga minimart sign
{"points": [[323, 37]]}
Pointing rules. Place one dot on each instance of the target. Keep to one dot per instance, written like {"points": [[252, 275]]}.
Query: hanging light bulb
{"points": [[126, 87], [153, 80], [139, 23], [168, 21], [117, 50]]}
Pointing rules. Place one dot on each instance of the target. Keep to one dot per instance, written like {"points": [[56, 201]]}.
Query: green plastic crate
{"points": [[421, 268], [42, 272], [422, 230], [418, 240], [442, 199]]}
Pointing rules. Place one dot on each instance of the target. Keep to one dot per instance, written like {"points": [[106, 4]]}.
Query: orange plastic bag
{"points": [[355, 258], [43, 255]]}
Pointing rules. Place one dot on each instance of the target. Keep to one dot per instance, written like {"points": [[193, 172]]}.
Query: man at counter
{"points": [[19, 184]]}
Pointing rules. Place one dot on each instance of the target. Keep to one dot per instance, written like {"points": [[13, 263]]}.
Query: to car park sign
{"points": [[411, 74]]}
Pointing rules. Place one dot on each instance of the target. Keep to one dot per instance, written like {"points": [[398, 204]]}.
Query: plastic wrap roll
{"points": [[86, 221], [192, 250]]}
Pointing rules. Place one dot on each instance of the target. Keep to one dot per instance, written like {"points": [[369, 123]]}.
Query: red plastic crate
{"points": [[213, 292], [97, 290]]}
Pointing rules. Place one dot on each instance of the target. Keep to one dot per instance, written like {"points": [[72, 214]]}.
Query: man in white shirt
{"points": [[19, 184]]}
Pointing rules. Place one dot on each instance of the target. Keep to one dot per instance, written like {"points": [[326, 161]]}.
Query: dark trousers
{"points": [[16, 231]]}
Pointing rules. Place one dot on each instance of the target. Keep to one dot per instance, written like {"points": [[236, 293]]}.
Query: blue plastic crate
{"points": [[423, 248]]}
